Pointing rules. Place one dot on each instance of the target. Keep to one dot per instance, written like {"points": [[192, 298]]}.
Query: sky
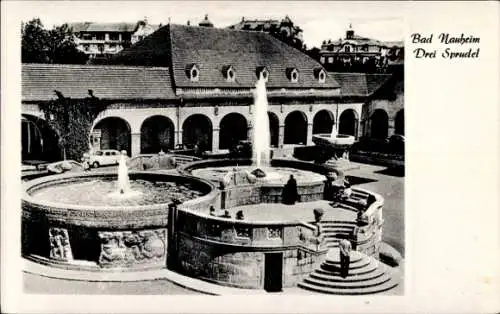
{"points": [[320, 21]]}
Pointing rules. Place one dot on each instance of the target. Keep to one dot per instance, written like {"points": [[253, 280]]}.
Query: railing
{"points": [[256, 235]]}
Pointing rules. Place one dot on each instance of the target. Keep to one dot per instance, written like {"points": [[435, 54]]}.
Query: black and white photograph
{"points": [[215, 148], [213, 155]]}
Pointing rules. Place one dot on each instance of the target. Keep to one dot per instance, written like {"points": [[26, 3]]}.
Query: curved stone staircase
{"points": [[333, 231], [366, 276]]}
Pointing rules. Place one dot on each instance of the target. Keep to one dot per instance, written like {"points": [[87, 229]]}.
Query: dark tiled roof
{"points": [[359, 84], [390, 44], [108, 82], [103, 27], [211, 49]]}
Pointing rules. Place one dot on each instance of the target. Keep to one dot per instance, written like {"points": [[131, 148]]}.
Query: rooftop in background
{"points": [[262, 24], [108, 27], [352, 38]]}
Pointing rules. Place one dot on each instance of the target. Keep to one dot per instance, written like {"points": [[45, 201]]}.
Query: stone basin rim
{"points": [[27, 186]]}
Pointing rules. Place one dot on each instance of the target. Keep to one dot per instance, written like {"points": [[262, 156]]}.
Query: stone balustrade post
{"points": [[215, 140], [135, 148]]}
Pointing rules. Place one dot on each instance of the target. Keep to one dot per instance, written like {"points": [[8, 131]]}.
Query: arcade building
{"points": [[193, 85]]}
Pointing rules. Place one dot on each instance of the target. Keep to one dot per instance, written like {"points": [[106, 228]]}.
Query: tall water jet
{"points": [[334, 134], [261, 136], [123, 179]]}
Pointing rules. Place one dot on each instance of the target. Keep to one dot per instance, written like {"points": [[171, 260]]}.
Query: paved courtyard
{"points": [[374, 178]]}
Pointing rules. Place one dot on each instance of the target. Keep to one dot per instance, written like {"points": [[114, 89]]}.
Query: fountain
{"points": [[105, 220], [261, 137], [233, 251], [124, 190]]}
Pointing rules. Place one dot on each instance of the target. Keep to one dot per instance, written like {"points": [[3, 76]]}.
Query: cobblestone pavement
{"points": [[376, 178]]}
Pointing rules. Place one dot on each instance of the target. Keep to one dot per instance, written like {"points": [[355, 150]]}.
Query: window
{"points": [[364, 48], [107, 154], [86, 36], [99, 36], [322, 77], [126, 36], [292, 74], [98, 153], [322, 60], [347, 48], [263, 72], [320, 74], [193, 72], [114, 36], [228, 73], [330, 59]]}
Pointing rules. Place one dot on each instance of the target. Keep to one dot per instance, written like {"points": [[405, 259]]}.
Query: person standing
{"points": [[345, 257], [290, 194]]}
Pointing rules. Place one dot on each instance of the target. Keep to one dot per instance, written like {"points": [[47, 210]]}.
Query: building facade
{"points": [[105, 39], [355, 53], [190, 85], [283, 29]]}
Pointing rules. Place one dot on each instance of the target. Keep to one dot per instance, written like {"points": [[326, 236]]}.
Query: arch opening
{"points": [[39, 141], [379, 124], [157, 134], [399, 123], [323, 122], [348, 123], [197, 131], [296, 128], [112, 133], [274, 129], [233, 128]]}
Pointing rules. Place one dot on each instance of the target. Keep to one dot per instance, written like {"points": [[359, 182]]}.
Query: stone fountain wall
{"points": [[233, 253], [242, 191], [79, 237]]}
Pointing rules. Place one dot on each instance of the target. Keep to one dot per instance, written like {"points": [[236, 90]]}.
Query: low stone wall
{"points": [[261, 192], [368, 233], [76, 236], [233, 253]]}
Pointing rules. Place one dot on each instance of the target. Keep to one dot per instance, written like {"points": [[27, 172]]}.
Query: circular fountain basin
{"points": [[74, 221], [274, 175], [103, 191], [310, 179], [340, 141]]}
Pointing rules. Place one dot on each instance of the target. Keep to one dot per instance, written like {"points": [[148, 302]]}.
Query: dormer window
{"points": [[228, 72], [292, 74], [262, 72], [320, 75], [193, 72]]}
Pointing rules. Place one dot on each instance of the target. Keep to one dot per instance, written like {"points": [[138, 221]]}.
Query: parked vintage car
{"points": [[103, 157]]}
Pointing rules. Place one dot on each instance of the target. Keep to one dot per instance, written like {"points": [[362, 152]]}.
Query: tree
{"points": [[72, 120], [34, 42], [49, 46]]}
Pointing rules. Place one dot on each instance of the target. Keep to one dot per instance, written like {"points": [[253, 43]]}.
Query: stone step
{"points": [[352, 265], [350, 224], [333, 234], [334, 255], [348, 284], [329, 269], [336, 228], [350, 277], [353, 291]]}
